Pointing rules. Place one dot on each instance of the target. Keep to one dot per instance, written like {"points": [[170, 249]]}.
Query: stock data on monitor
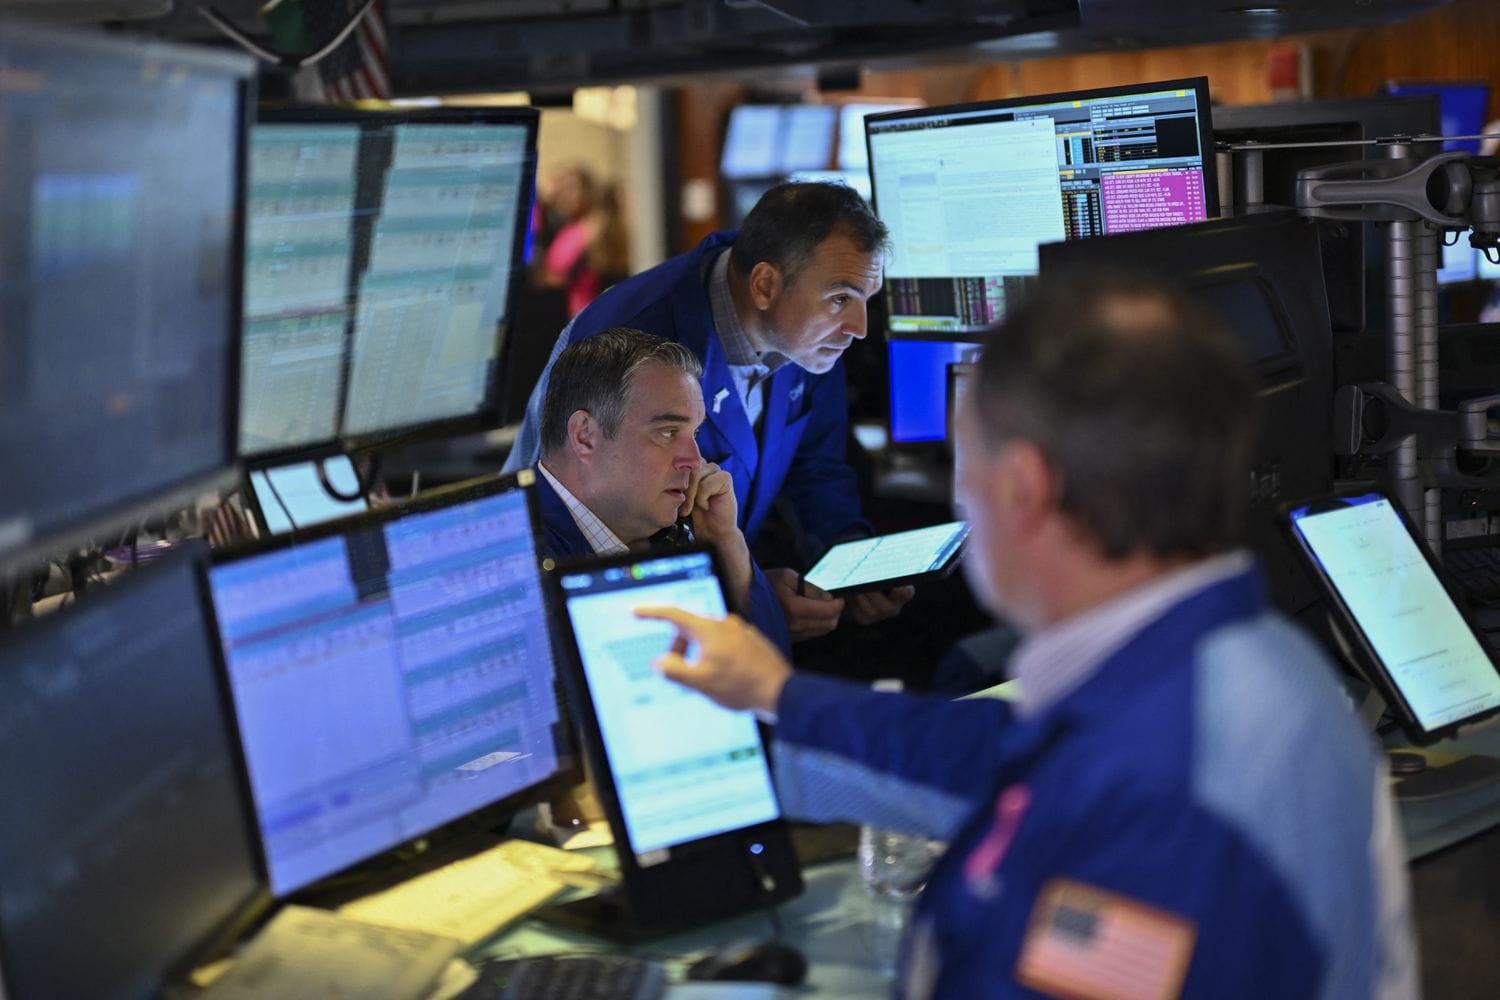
{"points": [[379, 261], [969, 192], [388, 680]]}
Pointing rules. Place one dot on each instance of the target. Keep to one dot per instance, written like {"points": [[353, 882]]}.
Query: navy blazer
{"points": [[803, 451], [561, 539]]}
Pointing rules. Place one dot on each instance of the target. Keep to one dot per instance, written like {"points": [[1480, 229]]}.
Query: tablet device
{"points": [[289, 497], [1400, 622], [887, 561], [685, 784]]}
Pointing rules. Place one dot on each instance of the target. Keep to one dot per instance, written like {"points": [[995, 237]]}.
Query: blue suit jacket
{"points": [[562, 540], [803, 451]]}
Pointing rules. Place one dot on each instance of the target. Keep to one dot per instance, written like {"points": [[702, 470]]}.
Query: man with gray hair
{"points": [[1182, 803], [620, 465]]}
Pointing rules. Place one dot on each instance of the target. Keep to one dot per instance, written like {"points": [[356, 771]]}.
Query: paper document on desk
{"points": [[473, 898], [311, 953]]}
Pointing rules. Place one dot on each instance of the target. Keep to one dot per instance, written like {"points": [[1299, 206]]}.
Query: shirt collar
{"points": [[1053, 662], [603, 541], [738, 349]]}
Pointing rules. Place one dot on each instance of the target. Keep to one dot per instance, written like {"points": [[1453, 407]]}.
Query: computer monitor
{"points": [[970, 191], [853, 154], [385, 249], [1353, 256], [807, 137], [1463, 107], [1258, 273], [120, 225], [301, 494], [392, 676], [128, 848], [1459, 261], [752, 142], [919, 386]]}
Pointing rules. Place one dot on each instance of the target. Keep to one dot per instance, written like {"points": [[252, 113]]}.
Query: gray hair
{"points": [[594, 374]]}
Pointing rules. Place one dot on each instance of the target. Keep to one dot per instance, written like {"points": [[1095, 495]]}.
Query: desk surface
{"points": [[850, 939]]}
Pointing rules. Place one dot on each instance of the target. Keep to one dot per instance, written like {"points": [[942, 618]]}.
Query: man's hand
{"points": [[877, 605], [711, 503], [736, 665], [810, 613]]}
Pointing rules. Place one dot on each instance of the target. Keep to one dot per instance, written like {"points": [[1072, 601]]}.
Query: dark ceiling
{"points": [[442, 46]]}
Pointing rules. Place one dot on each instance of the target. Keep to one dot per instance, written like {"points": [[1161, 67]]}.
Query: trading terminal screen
{"points": [[1422, 644], [683, 768], [127, 840], [293, 496], [382, 258], [389, 679], [120, 186], [765, 141], [969, 192]]}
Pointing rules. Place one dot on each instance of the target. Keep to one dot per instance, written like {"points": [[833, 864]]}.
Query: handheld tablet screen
{"points": [[1427, 649], [870, 561], [683, 768]]}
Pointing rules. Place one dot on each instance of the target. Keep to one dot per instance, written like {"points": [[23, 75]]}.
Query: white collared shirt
{"points": [[603, 541], [1051, 663]]}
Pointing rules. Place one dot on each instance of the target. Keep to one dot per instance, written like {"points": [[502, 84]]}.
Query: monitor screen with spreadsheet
{"points": [[128, 845], [121, 194], [383, 253], [1413, 640], [970, 191], [392, 675]]}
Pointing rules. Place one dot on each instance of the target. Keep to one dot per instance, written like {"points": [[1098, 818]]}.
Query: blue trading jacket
{"points": [[804, 441], [1211, 768], [562, 539]]}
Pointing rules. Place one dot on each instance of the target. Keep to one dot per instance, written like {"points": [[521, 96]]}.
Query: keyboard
{"points": [[472, 898], [1476, 570], [569, 977]]}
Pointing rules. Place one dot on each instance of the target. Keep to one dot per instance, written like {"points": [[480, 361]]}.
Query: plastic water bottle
{"points": [[894, 865]]}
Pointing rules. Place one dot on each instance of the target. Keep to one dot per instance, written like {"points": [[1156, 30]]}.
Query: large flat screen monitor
{"points": [[121, 182], [919, 386], [384, 253], [128, 844], [970, 191], [392, 676]]}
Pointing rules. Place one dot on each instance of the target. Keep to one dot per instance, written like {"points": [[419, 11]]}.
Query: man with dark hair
{"points": [[1182, 803], [769, 311], [620, 466]]}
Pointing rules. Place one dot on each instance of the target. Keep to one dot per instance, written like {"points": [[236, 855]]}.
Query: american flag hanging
{"points": [[357, 68]]}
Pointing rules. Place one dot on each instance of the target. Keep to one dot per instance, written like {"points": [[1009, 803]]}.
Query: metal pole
{"points": [[1250, 177], [1224, 160], [1404, 481], [1426, 375]]}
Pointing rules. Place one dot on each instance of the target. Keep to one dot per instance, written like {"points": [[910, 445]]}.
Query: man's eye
{"points": [[839, 301]]}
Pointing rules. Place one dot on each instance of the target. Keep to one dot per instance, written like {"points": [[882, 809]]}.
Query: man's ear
{"points": [[583, 435], [1030, 485], [766, 283]]}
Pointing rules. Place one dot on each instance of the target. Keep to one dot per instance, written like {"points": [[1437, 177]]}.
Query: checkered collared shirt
{"points": [[749, 368], [603, 541]]}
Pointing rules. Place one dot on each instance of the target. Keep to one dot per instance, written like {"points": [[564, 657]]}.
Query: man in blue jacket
{"points": [[769, 311], [620, 467], [1183, 802]]}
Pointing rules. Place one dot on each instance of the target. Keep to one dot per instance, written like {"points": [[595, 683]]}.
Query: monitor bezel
{"points": [[1359, 649], [487, 414], [570, 770], [35, 547], [190, 559]]}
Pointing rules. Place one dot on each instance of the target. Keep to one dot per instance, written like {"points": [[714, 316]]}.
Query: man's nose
{"points": [[688, 455], [858, 323]]}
